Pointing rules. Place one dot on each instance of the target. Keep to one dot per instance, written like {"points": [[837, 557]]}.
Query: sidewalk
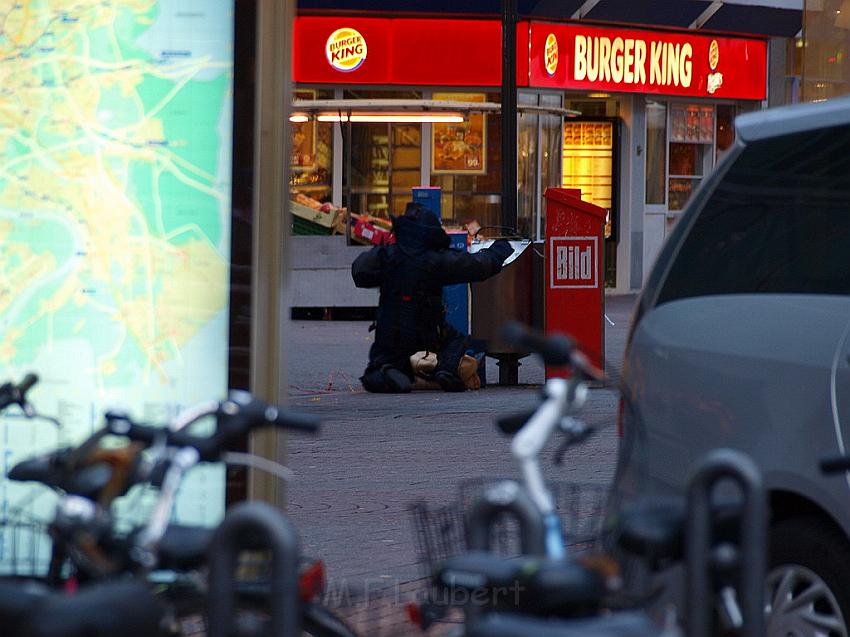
{"points": [[378, 453]]}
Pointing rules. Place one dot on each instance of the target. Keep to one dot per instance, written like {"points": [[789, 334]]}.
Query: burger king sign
{"points": [[346, 49]]}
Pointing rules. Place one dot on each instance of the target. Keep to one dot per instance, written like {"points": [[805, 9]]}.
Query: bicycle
{"points": [[555, 583], [563, 594], [83, 530]]}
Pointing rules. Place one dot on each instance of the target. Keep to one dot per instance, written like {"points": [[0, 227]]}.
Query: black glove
{"points": [[501, 249]]}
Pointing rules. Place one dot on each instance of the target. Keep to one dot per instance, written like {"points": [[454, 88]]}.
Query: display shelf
{"points": [[296, 187]]}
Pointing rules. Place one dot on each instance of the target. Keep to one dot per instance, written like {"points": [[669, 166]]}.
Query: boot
{"points": [[449, 381]]}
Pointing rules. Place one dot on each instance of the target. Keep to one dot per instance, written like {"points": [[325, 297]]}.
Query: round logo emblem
{"points": [[346, 49], [550, 56], [713, 54]]}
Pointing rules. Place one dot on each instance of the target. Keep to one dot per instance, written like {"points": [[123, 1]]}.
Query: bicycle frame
{"points": [[563, 396]]}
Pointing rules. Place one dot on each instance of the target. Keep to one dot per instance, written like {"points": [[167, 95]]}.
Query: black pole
{"points": [[509, 115], [252, 525], [700, 556]]}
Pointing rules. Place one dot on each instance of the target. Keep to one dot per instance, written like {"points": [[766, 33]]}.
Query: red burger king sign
{"points": [[595, 58], [346, 49]]}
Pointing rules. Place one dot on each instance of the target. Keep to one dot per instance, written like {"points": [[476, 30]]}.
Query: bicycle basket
{"points": [[440, 532]]}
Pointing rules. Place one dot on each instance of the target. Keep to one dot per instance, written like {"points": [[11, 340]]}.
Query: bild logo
{"points": [[574, 262]]}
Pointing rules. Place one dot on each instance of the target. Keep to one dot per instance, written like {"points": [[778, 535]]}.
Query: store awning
{"points": [[404, 110], [772, 18]]}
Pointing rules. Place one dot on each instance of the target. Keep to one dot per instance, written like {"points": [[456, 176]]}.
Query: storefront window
{"points": [[470, 192], [656, 152], [312, 156], [691, 145], [824, 51], [550, 146], [384, 161], [589, 162], [527, 195], [725, 134], [683, 148]]}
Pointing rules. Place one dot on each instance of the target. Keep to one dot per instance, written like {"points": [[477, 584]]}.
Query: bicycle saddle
{"points": [[631, 624], [125, 608], [184, 548], [529, 584], [49, 470]]}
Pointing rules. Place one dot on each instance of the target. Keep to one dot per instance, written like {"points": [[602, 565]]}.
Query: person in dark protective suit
{"points": [[411, 317]]}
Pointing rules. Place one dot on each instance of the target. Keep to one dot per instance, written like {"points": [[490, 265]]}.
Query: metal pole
{"points": [[253, 525], [732, 465], [509, 115], [269, 312]]}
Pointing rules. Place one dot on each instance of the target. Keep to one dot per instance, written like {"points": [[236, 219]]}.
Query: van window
{"points": [[778, 222]]}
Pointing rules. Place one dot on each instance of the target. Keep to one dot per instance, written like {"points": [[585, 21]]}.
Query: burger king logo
{"points": [[346, 49], [715, 79], [550, 57], [713, 54]]}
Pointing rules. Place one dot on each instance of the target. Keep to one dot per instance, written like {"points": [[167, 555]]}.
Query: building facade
{"points": [[633, 111]]}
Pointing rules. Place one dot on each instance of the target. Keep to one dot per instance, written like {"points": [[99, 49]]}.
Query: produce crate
{"points": [[369, 230], [306, 220]]}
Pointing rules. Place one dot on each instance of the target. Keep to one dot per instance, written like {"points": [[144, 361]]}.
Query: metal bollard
{"points": [[275, 532], [506, 497], [723, 464]]}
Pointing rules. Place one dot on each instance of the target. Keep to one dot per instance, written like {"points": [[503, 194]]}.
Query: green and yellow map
{"points": [[115, 175]]}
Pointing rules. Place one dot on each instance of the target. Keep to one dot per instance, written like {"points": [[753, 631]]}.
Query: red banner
{"points": [[574, 56], [457, 52], [403, 51]]}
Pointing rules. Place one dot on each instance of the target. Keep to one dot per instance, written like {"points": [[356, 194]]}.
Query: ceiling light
{"points": [[299, 118], [403, 118]]}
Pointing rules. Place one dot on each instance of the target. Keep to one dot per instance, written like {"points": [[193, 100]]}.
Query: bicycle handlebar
{"points": [[512, 423], [240, 414], [11, 394], [554, 349]]}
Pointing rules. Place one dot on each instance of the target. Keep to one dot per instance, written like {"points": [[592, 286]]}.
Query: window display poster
{"points": [[304, 158], [460, 149]]}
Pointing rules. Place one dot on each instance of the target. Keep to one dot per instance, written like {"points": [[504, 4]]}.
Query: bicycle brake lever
{"points": [[578, 433], [562, 450], [257, 462]]}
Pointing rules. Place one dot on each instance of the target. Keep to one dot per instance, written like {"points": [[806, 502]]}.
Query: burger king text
{"points": [[625, 61]]}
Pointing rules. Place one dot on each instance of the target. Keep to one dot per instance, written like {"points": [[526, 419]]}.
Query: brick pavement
{"points": [[378, 453]]}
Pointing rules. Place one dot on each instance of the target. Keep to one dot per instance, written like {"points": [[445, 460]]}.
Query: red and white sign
{"points": [[575, 291], [346, 49], [642, 61], [468, 52], [408, 51], [574, 262]]}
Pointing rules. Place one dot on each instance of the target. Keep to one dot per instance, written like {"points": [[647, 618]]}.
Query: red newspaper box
{"points": [[575, 282]]}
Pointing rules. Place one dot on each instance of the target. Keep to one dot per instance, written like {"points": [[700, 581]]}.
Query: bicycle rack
{"points": [[246, 526], [506, 497], [718, 465]]}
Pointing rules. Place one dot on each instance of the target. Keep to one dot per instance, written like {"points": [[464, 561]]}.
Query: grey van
{"points": [[741, 338]]}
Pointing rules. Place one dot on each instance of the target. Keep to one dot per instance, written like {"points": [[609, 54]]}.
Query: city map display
{"points": [[116, 136]]}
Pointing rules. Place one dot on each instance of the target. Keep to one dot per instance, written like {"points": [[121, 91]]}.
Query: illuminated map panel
{"points": [[116, 137]]}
